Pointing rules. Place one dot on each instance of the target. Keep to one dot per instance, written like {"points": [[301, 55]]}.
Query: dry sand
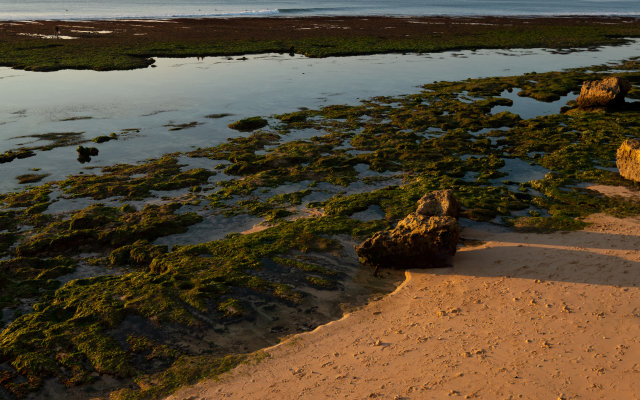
{"points": [[533, 316]]}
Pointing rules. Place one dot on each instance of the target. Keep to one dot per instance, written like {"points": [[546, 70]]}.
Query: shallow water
{"points": [[78, 9], [520, 171], [527, 108], [180, 91]]}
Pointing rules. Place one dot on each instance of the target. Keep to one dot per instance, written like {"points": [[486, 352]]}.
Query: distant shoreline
{"points": [[131, 43], [279, 14]]}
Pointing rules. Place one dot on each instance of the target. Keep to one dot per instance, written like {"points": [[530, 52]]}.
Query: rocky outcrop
{"points": [[608, 92], [425, 238], [628, 159]]}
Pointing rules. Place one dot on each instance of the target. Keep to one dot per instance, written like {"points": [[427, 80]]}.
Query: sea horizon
{"points": [[158, 9]]}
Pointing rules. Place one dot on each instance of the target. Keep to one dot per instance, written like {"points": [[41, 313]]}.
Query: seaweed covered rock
{"points": [[249, 124], [439, 203], [608, 92], [425, 238], [140, 253], [628, 159]]}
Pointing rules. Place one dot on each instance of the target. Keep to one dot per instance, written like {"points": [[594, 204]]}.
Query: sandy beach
{"points": [[522, 315]]}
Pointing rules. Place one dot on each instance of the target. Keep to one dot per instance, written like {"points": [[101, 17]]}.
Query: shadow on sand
{"points": [[577, 257]]}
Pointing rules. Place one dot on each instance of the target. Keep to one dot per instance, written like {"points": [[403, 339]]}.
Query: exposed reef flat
{"points": [[130, 44], [120, 293]]}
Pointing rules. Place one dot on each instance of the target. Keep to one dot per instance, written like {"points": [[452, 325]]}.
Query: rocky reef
{"points": [[426, 238]]}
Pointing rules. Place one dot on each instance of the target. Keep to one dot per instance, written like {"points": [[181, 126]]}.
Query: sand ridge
{"points": [[533, 316]]}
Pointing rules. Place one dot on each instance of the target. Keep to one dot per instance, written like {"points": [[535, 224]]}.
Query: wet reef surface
{"points": [[131, 280], [129, 44]]}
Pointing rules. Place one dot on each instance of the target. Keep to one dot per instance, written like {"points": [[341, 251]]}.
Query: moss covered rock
{"points": [[425, 238], [603, 93], [249, 124], [628, 159]]}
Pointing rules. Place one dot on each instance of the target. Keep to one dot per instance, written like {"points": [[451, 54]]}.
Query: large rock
{"points": [[628, 159], [425, 238], [417, 241], [608, 92]]}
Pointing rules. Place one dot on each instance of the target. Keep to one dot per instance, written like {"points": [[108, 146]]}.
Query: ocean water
{"points": [[106, 9]]}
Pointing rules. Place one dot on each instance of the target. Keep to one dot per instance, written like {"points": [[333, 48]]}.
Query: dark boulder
{"points": [[425, 238], [85, 153]]}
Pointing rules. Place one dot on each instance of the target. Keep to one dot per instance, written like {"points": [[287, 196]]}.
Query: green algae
{"points": [[11, 155], [97, 227], [427, 134], [30, 277], [176, 288], [248, 124], [104, 138], [30, 178], [161, 174], [139, 253]]}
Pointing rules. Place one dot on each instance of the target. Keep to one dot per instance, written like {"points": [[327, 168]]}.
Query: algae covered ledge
{"points": [[37, 45], [122, 298]]}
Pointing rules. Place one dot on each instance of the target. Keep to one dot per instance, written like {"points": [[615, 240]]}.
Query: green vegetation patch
{"points": [[30, 178], [249, 124], [97, 227], [135, 181]]}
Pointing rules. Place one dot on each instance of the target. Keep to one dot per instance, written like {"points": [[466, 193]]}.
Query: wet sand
{"points": [[545, 316]]}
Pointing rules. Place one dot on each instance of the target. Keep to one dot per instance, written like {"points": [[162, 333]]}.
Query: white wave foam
{"points": [[42, 36]]}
